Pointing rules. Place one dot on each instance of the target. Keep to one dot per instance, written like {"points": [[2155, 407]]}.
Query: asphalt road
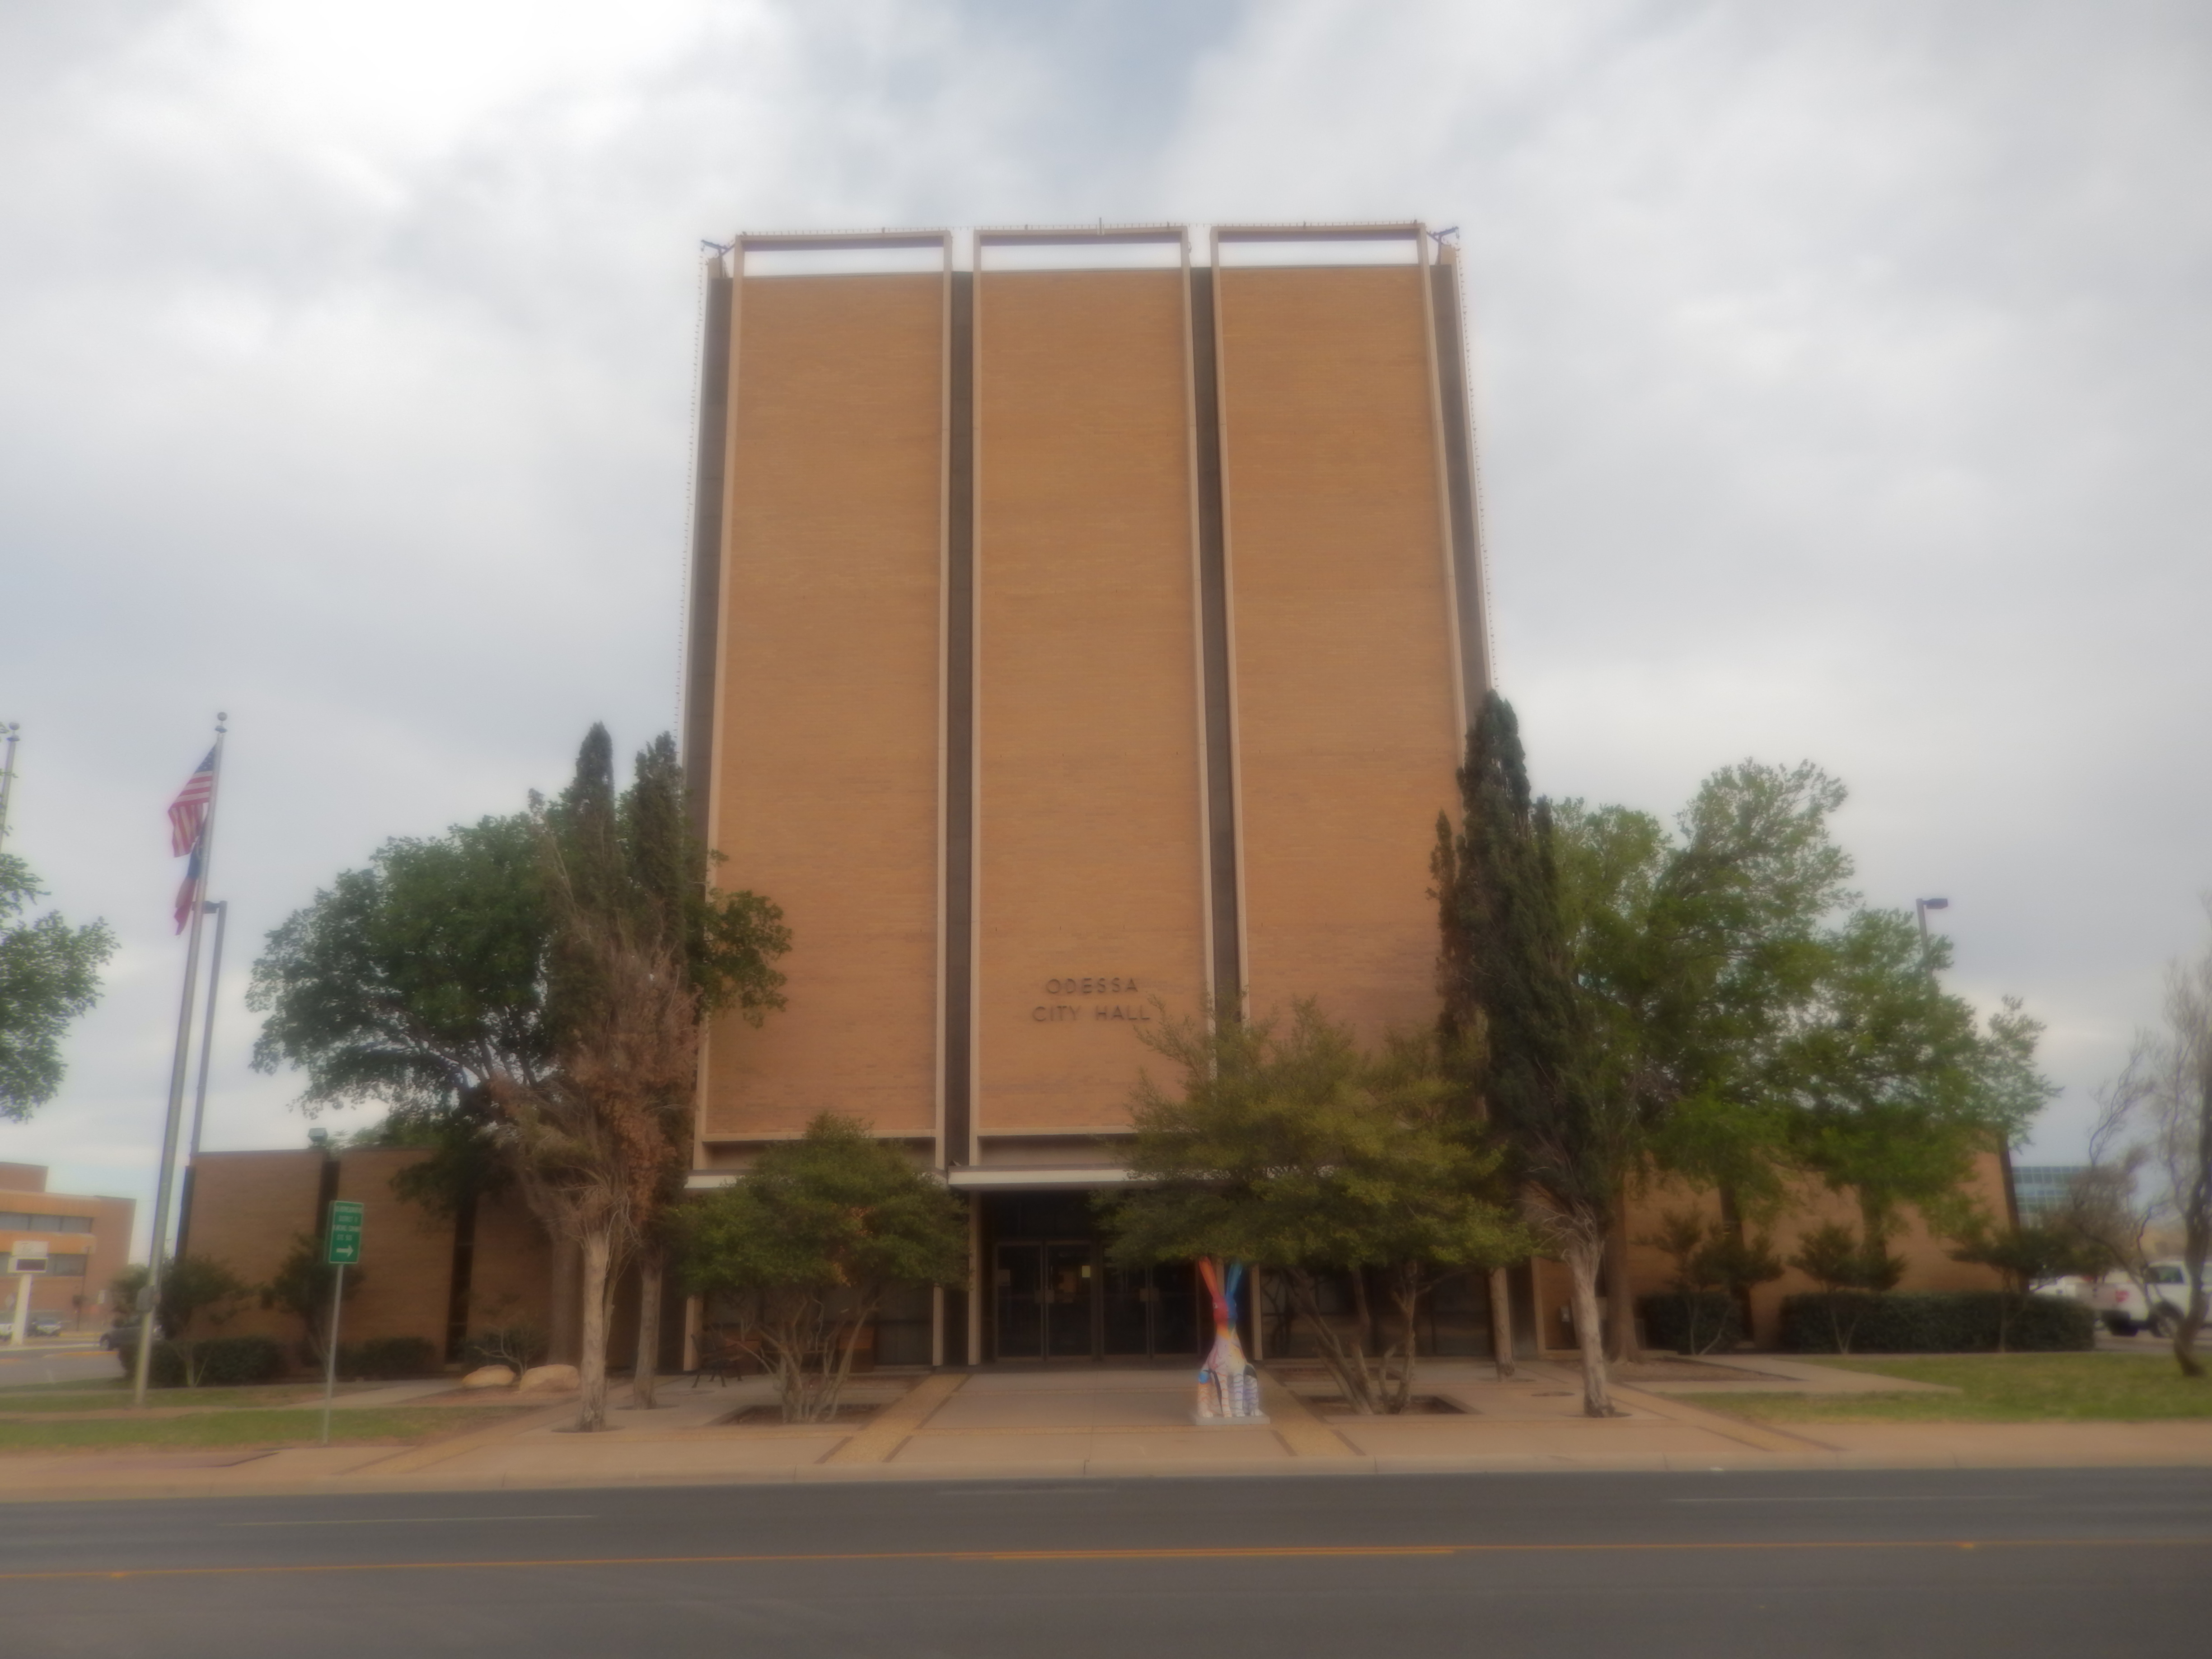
{"points": [[2012, 1563]]}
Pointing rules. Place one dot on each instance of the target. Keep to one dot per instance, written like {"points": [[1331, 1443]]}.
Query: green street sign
{"points": [[344, 1244]]}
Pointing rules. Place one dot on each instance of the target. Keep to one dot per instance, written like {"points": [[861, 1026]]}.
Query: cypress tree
{"points": [[1514, 1013]]}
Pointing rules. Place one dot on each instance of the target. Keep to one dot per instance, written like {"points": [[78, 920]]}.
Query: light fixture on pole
{"points": [[12, 730]]}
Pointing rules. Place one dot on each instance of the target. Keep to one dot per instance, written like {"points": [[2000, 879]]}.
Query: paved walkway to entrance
{"points": [[1088, 1421]]}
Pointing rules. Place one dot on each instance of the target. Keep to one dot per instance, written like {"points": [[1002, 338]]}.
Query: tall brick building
{"points": [[1083, 624]]}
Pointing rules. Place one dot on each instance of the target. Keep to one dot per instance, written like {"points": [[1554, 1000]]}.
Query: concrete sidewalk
{"points": [[1063, 1424]]}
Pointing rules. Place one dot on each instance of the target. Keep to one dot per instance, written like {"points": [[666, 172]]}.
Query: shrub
{"points": [[519, 1347], [165, 1370], [1935, 1322], [1692, 1321], [388, 1358], [220, 1362]]}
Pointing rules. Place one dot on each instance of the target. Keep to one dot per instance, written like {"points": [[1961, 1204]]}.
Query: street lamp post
{"points": [[2004, 1147], [1924, 905]]}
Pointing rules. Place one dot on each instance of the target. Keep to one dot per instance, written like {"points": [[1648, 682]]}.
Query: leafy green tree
{"points": [[192, 1286], [301, 1286], [49, 976], [1294, 1150], [1764, 1030], [1893, 1084], [1691, 949], [803, 1248], [2021, 1255], [1543, 1072], [195, 1289], [1698, 950], [1711, 1259], [520, 995], [412, 983], [1835, 1259]]}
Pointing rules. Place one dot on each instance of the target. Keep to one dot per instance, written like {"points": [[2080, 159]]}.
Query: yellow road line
{"points": [[1224, 1553]]}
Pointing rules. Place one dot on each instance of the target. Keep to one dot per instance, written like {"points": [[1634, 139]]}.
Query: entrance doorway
{"points": [[1052, 1294], [1045, 1300], [1060, 1299]]}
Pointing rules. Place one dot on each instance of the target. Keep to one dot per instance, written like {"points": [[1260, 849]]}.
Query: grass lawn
{"points": [[115, 1397], [1997, 1388], [244, 1427]]}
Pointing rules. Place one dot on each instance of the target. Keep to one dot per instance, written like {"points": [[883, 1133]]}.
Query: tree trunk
{"points": [[1586, 1255], [1406, 1288], [592, 1358], [1501, 1322], [1364, 1329], [1349, 1367], [2196, 1246], [562, 1318], [1621, 1346], [644, 1377]]}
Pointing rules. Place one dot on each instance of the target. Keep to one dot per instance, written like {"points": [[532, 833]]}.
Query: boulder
{"points": [[550, 1379], [488, 1377]]}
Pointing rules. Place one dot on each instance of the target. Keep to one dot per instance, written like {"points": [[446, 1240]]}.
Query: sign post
{"points": [[343, 1246], [26, 1259]]}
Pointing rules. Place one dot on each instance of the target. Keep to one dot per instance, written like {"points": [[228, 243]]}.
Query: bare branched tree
{"points": [[2163, 1099]]}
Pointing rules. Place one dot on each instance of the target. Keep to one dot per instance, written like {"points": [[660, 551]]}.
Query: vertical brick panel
{"points": [[1089, 827], [829, 712], [406, 1254], [1347, 725]]}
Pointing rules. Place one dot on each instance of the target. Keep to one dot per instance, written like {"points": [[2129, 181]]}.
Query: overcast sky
{"points": [[1841, 374]]}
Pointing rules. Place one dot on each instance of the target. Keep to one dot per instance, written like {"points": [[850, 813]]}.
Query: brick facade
{"points": [[88, 1242]]}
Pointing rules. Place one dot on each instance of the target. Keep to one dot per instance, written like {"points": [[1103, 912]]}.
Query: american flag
{"points": [[187, 822], [188, 812]]}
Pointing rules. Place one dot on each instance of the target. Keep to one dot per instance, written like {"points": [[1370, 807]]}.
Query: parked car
{"points": [[46, 1324], [2119, 1301]]}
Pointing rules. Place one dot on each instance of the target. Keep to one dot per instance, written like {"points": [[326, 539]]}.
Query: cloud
{"points": [[1842, 375]]}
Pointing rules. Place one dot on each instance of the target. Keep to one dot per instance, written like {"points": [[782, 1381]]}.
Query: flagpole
{"points": [[221, 908], [151, 1295]]}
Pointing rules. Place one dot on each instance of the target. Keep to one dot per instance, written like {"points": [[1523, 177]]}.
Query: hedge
{"points": [[225, 1362], [388, 1358], [1702, 1322], [1934, 1321]]}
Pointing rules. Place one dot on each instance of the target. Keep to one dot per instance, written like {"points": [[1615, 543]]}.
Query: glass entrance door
{"points": [[1046, 1294], [1068, 1286], [1151, 1312], [1018, 1276]]}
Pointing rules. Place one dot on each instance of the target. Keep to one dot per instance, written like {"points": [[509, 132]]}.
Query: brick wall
{"points": [[826, 791], [1089, 894], [1347, 721]]}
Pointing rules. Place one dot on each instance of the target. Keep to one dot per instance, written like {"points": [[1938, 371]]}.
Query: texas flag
{"points": [[188, 815]]}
